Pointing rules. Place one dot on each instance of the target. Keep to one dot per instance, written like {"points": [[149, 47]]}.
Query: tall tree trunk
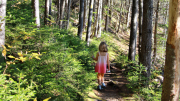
{"points": [[2, 26], [100, 18], [81, 13], [110, 10], [140, 27], [62, 13], [120, 12], [46, 18], [134, 23], [97, 20], [94, 10], [68, 16], [155, 34], [147, 36], [59, 12], [85, 13], [170, 90], [89, 22], [107, 15], [129, 13], [36, 12], [50, 3]]}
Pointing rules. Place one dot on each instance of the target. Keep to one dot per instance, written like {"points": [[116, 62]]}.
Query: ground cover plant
{"points": [[135, 74]]}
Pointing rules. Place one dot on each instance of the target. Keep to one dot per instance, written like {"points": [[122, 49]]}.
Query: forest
{"points": [[47, 48]]}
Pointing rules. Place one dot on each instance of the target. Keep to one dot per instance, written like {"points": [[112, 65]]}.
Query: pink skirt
{"points": [[100, 67]]}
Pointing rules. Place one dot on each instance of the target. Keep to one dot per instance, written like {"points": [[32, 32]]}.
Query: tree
{"points": [[134, 23], [97, 20], [110, 11], [100, 18], [59, 12], [140, 27], [2, 25], [85, 13], [155, 34], [35, 5], [120, 12], [81, 15], [89, 22], [47, 12], [107, 15], [170, 90], [129, 13], [68, 16], [62, 13], [147, 35]]}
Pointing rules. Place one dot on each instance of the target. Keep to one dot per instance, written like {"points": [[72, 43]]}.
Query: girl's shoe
{"points": [[103, 85], [99, 87]]}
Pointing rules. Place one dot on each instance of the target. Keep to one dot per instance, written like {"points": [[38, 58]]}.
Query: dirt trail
{"points": [[116, 89]]}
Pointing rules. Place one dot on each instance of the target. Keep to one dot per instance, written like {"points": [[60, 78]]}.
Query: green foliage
{"points": [[135, 74], [63, 71], [20, 90]]}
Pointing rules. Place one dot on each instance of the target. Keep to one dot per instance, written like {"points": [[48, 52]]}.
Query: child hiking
{"points": [[102, 58]]}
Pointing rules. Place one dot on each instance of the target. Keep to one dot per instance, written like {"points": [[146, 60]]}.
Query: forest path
{"points": [[115, 89]]}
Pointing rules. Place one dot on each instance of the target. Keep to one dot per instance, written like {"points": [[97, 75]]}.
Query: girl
{"points": [[102, 58]]}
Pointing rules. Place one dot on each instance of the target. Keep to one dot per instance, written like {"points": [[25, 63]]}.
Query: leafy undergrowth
{"points": [[135, 73]]}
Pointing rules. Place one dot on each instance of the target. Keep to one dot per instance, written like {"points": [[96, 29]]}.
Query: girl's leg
{"points": [[99, 78], [102, 77]]}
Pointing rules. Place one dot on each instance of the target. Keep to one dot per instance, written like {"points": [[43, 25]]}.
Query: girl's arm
{"points": [[96, 57], [108, 62]]}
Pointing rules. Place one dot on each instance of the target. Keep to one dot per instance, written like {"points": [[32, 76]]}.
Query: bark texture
{"points": [[155, 34], [107, 16], [47, 6], [89, 22], [170, 91], [147, 35], [2, 21], [2, 26], [81, 15], [62, 13], [100, 18], [140, 27], [68, 14], [36, 12], [134, 23]]}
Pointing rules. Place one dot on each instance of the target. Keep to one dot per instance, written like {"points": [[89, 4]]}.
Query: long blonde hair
{"points": [[103, 47]]}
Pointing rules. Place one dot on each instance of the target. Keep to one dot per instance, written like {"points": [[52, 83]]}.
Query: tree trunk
{"points": [[140, 27], [147, 36], [68, 16], [110, 10], [2, 26], [94, 10], [89, 22], [50, 3], [129, 13], [81, 15], [120, 12], [59, 12], [100, 18], [85, 13], [170, 90], [62, 13], [46, 18], [36, 12], [97, 20], [107, 15], [155, 34], [134, 23]]}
